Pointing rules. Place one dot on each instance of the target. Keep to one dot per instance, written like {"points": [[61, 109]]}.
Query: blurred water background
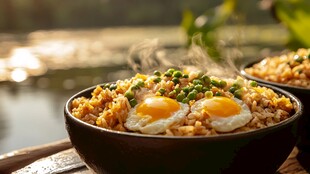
{"points": [[50, 49]]}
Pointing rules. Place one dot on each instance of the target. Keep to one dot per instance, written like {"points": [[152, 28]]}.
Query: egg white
{"points": [[226, 124], [134, 122]]}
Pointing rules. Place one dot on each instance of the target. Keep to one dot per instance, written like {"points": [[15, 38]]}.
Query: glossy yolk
{"points": [[221, 107], [158, 107]]}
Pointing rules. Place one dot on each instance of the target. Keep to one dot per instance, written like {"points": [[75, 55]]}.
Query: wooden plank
{"points": [[68, 162], [17, 159], [292, 165]]}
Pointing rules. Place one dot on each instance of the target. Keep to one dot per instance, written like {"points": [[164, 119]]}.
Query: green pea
{"points": [[133, 102], [157, 73], [140, 83], [222, 83], [236, 85], [209, 94], [180, 97], [232, 89], [206, 79], [215, 83], [137, 85], [205, 89], [194, 90], [171, 70], [177, 74], [175, 80], [113, 87], [177, 89], [107, 85], [253, 83], [185, 76], [192, 95], [298, 58], [238, 93], [129, 94], [185, 100], [197, 82], [191, 88], [134, 87], [198, 87], [185, 89], [168, 74], [157, 80], [218, 94], [162, 91]]}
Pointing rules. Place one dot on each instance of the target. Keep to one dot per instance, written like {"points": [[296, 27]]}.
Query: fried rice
{"points": [[292, 68], [110, 103]]}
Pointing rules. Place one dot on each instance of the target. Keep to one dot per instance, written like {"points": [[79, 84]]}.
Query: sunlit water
{"points": [[30, 117], [31, 112]]}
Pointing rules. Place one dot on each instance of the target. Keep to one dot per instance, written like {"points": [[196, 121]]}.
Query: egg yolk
{"points": [[221, 107], [157, 107]]}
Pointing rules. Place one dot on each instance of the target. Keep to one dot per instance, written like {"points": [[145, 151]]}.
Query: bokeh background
{"points": [[50, 49]]}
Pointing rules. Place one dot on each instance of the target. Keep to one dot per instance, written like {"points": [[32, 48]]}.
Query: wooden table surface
{"points": [[60, 157]]}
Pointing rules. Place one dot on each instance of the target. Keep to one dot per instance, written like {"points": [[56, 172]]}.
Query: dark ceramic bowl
{"points": [[303, 94], [107, 151]]}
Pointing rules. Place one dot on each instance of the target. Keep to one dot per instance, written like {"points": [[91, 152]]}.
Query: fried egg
{"points": [[226, 114], [156, 114]]}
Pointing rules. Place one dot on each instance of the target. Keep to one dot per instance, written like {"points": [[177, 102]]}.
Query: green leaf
{"points": [[295, 15], [188, 24], [201, 30]]}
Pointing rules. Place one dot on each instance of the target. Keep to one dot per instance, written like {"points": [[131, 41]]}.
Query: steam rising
{"points": [[149, 55]]}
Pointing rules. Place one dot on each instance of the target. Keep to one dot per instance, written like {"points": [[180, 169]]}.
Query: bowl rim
{"points": [[281, 85], [298, 113]]}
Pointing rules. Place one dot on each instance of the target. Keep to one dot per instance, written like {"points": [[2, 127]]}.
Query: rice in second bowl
{"points": [[180, 103], [292, 68]]}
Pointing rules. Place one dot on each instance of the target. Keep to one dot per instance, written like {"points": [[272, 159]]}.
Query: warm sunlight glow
{"points": [[22, 57], [20, 65], [19, 75]]}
